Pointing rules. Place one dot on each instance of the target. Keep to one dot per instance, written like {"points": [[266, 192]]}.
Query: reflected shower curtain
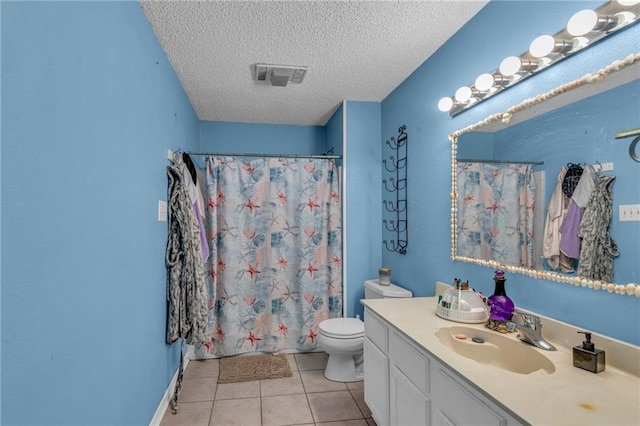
{"points": [[495, 212], [275, 269]]}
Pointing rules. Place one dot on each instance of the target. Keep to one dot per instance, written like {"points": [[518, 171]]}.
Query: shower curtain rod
{"points": [[238, 154], [466, 160]]}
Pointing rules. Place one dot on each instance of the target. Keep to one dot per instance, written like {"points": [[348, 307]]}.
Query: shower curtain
{"points": [[275, 265], [495, 212]]}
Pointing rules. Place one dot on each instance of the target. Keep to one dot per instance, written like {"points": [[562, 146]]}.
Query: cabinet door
{"points": [[376, 383], [410, 360], [376, 330], [408, 406], [455, 403]]}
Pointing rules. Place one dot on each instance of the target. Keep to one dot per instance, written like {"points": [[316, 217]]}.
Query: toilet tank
{"points": [[373, 290]]}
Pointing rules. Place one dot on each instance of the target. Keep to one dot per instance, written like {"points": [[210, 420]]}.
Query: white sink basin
{"points": [[497, 350]]}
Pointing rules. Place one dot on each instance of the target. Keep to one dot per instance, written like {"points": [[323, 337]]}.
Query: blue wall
{"points": [[90, 107], [217, 136], [0, 219], [363, 156], [495, 33], [335, 132]]}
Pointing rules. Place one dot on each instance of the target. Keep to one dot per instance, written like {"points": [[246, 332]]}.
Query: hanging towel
{"points": [[583, 191], [196, 200], [569, 241], [598, 248], [557, 209], [571, 178], [186, 292], [190, 166]]}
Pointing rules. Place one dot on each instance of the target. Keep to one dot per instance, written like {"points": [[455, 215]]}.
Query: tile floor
{"points": [[306, 398]]}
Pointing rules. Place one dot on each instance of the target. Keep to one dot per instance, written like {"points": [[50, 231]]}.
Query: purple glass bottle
{"points": [[500, 306]]}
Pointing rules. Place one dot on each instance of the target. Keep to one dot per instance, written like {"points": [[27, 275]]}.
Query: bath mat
{"points": [[253, 367]]}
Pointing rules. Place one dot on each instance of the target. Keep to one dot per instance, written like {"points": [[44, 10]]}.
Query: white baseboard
{"points": [[168, 394]]}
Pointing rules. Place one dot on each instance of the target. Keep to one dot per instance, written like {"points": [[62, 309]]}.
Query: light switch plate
{"points": [[629, 213], [604, 167], [162, 211]]}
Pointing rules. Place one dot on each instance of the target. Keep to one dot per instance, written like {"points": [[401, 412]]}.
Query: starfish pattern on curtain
{"points": [[495, 212], [275, 269]]}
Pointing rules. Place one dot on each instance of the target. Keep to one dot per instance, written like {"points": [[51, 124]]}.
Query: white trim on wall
{"points": [[168, 394], [344, 209]]}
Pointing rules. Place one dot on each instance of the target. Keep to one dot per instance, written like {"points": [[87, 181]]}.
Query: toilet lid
{"points": [[342, 327]]}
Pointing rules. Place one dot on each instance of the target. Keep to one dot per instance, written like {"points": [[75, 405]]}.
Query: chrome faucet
{"points": [[530, 331]]}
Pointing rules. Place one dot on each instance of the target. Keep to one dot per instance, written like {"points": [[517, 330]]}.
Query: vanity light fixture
{"points": [[500, 80], [512, 65], [463, 94], [583, 29], [546, 45], [588, 20], [445, 104], [484, 82]]}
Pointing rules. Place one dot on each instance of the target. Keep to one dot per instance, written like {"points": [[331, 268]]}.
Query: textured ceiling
{"points": [[355, 50]]}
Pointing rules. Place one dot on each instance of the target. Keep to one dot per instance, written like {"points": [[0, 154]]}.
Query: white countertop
{"points": [[568, 396]]}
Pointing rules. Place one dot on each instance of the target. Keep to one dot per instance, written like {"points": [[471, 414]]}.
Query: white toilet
{"points": [[342, 338]]}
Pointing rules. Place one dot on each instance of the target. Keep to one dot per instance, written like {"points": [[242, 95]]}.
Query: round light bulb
{"points": [[628, 2], [510, 66], [484, 82], [542, 46], [582, 22], [624, 18], [445, 104], [463, 94]]}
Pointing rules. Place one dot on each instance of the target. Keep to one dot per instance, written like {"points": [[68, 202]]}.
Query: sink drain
{"points": [[478, 339]]}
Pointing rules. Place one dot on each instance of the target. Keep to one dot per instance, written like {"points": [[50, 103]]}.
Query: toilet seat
{"points": [[342, 328]]}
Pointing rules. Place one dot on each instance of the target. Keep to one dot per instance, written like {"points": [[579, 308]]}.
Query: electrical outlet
{"points": [[629, 213]]}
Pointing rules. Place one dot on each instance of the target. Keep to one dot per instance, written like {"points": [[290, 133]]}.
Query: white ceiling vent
{"points": [[280, 75]]}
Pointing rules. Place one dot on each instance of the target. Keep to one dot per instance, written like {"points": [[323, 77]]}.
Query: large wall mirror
{"points": [[575, 123]]}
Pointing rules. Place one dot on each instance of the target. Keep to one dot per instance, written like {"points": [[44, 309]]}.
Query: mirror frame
{"points": [[622, 289]]}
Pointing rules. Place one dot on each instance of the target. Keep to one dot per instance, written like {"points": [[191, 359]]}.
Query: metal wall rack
{"points": [[396, 183]]}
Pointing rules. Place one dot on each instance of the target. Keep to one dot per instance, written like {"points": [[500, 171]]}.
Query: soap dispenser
{"points": [[587, 356]]}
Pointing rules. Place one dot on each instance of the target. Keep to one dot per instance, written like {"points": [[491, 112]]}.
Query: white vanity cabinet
{"points": [[376, 368], [405, 386]]}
